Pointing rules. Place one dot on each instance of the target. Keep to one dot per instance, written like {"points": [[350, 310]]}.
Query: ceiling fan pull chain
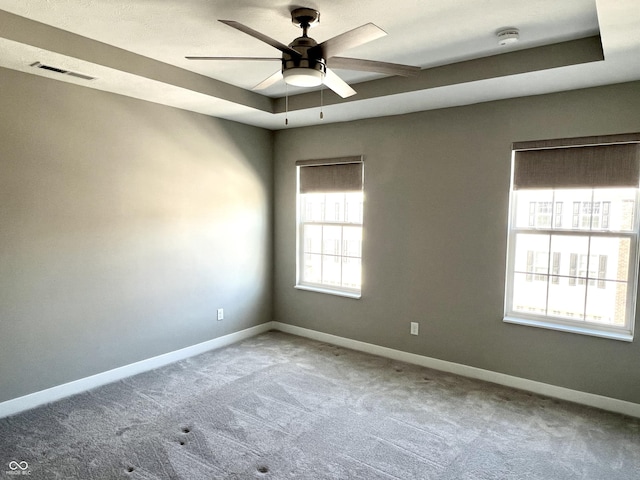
{"points": [[286, 104], [321, 100]]}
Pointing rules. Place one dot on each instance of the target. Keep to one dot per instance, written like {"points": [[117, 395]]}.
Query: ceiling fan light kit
{"points": [[303, 77]]}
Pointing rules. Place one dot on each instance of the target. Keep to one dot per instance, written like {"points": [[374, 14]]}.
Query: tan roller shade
{"points": [[575, 166], [331, 175]]}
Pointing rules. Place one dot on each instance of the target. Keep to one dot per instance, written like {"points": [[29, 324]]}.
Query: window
{"points": [[573, 235], [330, 211]]}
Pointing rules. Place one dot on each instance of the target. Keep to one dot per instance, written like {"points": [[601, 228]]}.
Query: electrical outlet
{"points": [[414, 328], [221, 314]]}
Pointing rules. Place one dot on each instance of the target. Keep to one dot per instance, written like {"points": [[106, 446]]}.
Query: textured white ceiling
{"points": [[422, 33]]}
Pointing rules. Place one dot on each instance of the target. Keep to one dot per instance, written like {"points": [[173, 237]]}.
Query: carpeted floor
{"points": [[282, 407]]}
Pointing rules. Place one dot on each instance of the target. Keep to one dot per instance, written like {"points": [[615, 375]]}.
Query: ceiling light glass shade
{"points": [[303, 77]]}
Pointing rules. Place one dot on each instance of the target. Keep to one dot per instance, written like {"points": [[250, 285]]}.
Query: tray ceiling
{"points": [[137, 48]]}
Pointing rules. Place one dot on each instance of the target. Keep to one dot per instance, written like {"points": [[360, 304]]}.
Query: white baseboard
{"points": [[589, 399], [36, 399], [27, 402]]}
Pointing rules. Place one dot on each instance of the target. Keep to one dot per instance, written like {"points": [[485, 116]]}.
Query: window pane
{"points": [[611, 256], [353, 207], [569, 249], [618, 208], [607, 305], [352, 241], [331, 270], [351, 272], [312, 268], [566, 299], [534, 208], [532, 253], [576, 208], [312, 207], [332, 240], [529, 296], [312, 239], [334, 207]]}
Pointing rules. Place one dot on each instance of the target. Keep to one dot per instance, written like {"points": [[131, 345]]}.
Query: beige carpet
{"points": [[283, 407]]}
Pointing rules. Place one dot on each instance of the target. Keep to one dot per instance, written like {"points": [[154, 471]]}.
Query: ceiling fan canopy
{"points": [[305, 62]]}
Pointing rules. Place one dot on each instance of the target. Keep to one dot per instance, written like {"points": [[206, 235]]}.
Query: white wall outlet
{"points": [[221, 314], [414, 328]]}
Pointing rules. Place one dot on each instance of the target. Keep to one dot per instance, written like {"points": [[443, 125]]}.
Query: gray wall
{"points": [[123, 226], [436, 201]]}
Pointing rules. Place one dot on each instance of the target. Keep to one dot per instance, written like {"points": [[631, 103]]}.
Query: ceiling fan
{"points": [[305, 62]]}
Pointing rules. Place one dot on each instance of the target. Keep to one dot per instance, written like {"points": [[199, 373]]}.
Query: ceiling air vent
{"points": [[81, 75], [62, 71]]}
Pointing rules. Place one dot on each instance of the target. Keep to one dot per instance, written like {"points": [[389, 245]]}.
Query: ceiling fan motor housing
{"points": [[310, 56]]}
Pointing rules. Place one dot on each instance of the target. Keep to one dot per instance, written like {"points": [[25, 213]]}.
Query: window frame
{"points": [[301, 283], [625, 333]]}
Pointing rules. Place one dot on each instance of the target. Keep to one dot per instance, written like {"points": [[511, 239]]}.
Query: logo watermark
{"points": [[18, 468]]}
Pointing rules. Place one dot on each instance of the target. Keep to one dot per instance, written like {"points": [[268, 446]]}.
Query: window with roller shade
{"points": [[573, 235], [329, 235]]}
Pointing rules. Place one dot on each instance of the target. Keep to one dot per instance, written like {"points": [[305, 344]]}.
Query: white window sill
{"points": [[622, 336], [339, 293]]}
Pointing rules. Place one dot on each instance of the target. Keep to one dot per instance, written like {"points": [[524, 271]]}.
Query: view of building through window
{"points": [[331, 239], [572, 253]]}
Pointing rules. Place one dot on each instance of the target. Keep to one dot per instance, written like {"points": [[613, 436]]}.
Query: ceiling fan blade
{"points": [[234, 58], [350, 39], [269, 81], [335, 83], [261, 36], [373, 66]]}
